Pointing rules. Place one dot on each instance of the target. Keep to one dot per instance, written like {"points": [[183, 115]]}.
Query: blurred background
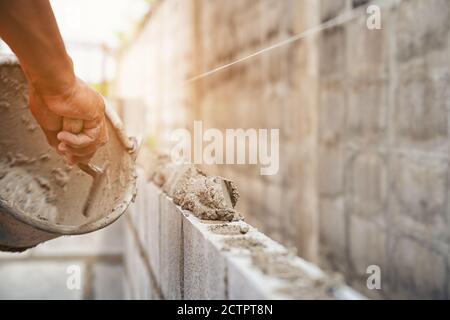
{"points": [[364, 119]]}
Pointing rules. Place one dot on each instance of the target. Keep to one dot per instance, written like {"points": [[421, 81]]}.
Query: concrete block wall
{"points": [[150, 77], [171, 254], [43, 272], [181, 39], [363, 116], [276, 90], [384, 146]]}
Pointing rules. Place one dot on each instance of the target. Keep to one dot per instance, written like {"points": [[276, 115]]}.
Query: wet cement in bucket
{"points": [[28, 193]]}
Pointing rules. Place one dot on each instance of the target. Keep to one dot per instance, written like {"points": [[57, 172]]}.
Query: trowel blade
{"points": [[96, 174]]}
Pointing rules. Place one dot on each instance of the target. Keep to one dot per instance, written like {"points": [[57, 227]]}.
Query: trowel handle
{"points": [[90, 169], [72, 125]]}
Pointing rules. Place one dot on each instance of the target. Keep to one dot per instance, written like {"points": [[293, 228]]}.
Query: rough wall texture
{"points": [[184, 38], [152, 73], [363, 118], [274, 90], [384, 146]]}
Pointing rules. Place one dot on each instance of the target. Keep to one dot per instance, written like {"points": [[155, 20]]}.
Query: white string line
{"points": [[346, 17]]}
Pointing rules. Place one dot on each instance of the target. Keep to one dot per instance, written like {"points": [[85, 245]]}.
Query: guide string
{"points": [[341, 19]]}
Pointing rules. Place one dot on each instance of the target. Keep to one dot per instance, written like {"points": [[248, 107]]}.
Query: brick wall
{"points": [[363, 118]]}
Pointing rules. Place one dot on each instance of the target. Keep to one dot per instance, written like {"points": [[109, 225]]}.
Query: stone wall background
{"points": [[363, 118], [384, 146]]}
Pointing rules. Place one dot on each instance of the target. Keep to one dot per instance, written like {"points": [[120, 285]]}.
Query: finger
{"points": [[70, 160], [94, 136], [64, 148], [80, 140]]}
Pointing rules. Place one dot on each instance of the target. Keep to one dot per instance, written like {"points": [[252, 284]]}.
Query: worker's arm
{"points": [[30, 29]]}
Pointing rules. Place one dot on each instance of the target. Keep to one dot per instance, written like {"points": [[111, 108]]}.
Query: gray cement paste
{"points": [[301, 286], [32, 194], [207, 197], [228, 229], [248, 243]]}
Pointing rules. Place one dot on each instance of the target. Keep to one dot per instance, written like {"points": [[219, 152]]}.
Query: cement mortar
{"points": [[28, 193], [248, 243], [301, 285], [227, 229], [207, 197]]}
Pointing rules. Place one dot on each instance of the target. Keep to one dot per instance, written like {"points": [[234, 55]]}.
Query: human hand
{"points": [[76, 102]]}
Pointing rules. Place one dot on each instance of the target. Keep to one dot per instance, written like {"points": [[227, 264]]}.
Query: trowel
{"points": [[133, 144]]}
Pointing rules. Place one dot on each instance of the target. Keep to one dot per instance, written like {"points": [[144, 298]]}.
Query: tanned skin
{"points": [[30, 29]]}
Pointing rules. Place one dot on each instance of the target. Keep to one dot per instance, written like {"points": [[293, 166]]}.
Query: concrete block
{"points": [[288, 229], [420, 189], [275, 67], [331, 170], [108, 281], [419, 271], [246, 283], [137, 274], [245, 280], [39, 280], [368, 185], [154, 196], [279, 275], [332, 48], [143, 284], [107, 241], [333, 231], [216, 260], [422, 104], [331, 9], [332, 110], [368, 49], [367, 112], [129, 260], [204, 264], [141, 213], [270, 206], [171, 250], [367, 246], [422, 26]]}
